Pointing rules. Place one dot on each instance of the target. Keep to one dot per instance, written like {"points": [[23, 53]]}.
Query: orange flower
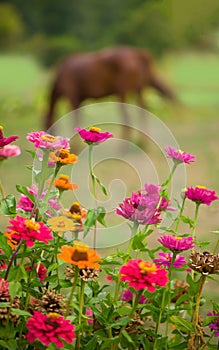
{"points": [[11, 241], [63, 157], [64, 184], [80, 255]]}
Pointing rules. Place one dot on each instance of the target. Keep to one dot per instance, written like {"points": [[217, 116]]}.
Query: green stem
{"points": [[94, 190], [168, 289], [159, 317], [1, 191], [166, 183], [216, 247], [72, 293], [137, 298], [133, 233], [207, 342], [195, 221], [180, 214], [81, 305]]}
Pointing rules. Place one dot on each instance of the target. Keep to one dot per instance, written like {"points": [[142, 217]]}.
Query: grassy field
{"points": [[194, 123]]}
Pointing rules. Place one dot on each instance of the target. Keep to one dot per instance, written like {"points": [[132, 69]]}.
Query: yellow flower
{"points": [[80, 255], [61, 224], [63, 157]]}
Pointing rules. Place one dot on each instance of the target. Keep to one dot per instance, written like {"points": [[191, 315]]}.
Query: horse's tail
{"points": [[162, 88], [54, 95]]}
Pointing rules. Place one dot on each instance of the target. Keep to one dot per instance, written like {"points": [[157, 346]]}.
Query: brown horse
{"points": [[113, 71]]}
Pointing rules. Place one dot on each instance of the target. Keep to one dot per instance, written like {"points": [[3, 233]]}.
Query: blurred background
{"points": [[183, 36]]}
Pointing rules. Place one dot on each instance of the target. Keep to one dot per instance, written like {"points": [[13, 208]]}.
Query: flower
{"points": [[89, 313], [9, 151], [80, 255], [11, 241], [166, 258], [143, 274], [63, 157], [144, 207], [205, 263], [6, 140], [93, 135], [176, 243], [214, 325], [76, 212], [46, 141], [29, 230], [64, 184], [128, 296], [179, 156], [41, 271], [51, 328], [201, 195], [61, 224]]}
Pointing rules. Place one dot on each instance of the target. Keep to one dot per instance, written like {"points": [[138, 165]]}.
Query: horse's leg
{"points": [[49, 118]]}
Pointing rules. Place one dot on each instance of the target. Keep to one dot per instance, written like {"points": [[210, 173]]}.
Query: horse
{"points": [[111, 71]]}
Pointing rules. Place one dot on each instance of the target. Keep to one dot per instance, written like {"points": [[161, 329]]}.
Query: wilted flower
{"points": [[51, 301], [29, 230], [179, 156], [64, 184], [93, 135], [201, 195], [6, 140], [9, 151], [144, 207], [51, 328], [143, 274], [46, 141], [214, 325], [176, 243], [204, 263], [166, 258], [80, 255]]}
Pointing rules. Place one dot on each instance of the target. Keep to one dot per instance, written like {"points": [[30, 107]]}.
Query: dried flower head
{"points": [[204, 263], [87, 273], [51, 301]]}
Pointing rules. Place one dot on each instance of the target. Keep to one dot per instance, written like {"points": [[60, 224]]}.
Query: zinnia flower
{"points": [[204, 263], [201, 195], [80, 255], [128, 296], [41, 271], [144, 207], [6, 140], [176, 243], [51, 328], [93, 135], [179, 156], [9, 151], [214, 325], [11, 241], [143, 274], [89, 314], [64, 184], [46, 141], [76, 212], [63, 157], [30, 231], [166, 258], [61, 224]]}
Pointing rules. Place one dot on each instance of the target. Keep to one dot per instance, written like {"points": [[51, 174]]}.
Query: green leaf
{"points": [[90, 221], [127, 336], [101, 212], [14, 288], [209, 319], [6, 304], [10, 344], [91, 345], [24, 190], [8, 205], [20, 312], [182, 324], [52, 267], [103, 188], [187, 220]]}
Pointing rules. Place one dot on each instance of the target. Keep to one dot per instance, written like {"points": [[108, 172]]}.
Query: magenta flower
{"points": [[41, 271], [143, 274], [144, 207], [214, 325], [179, 156], [93, 135], [166, 258], [46, 141], [6, 140], [176, 243], [89, 314], [29, 230], [128, 297], [51, 328], [201, 195], [9, 151]]}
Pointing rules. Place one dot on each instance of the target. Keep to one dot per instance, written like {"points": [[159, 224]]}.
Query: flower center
{"points": [[80, 252], [75, 208], [48, 138], [201, 187], [31, 225], [53, 315], [93, 128], [178, 238], [147, 267], [64, 177], [63, 153]]}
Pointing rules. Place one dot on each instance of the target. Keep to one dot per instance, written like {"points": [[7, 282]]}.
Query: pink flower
{"points": [[179, 156], [214, 325], [9, 151], [143, 274], [109, 278], [43, 140], [41, 271], [88, 314], [93, 135], [30, 231], [144, 207], [166, 258], [51, 328], [201, 195], [128, 296], [6, 140], [176, 243]]}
